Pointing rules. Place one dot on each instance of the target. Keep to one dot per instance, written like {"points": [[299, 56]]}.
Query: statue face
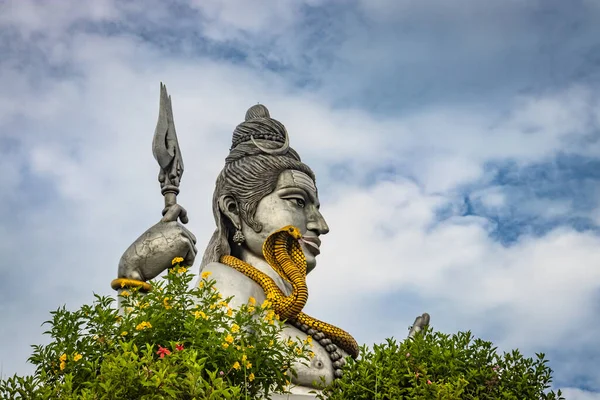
{"points": [[293, 202]]}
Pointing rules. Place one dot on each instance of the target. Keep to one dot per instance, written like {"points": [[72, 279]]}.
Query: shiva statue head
{"points": [[263, 187]]}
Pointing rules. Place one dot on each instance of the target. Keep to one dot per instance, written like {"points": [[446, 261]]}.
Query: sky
{"points": [[456, 147]]}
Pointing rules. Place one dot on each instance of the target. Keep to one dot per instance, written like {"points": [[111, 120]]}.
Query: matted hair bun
{"points": [[259, 125], [257, 111]]}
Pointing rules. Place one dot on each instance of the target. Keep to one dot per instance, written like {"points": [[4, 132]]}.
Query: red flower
{"points": [[162, 352], [428, 382], [178, 347]]}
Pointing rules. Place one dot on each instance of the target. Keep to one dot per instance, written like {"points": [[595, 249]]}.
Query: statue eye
{"points": [[300, 202]]}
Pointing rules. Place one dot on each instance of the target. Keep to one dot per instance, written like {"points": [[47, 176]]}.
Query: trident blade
{"points": [[165, 146]]}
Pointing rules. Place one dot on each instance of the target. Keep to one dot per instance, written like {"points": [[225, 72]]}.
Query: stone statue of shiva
{"points": [[263, 187]]}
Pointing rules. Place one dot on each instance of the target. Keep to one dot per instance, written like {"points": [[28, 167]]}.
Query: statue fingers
{"points": [[174, 212], [190, 256], [188, 234], [183, 216]]}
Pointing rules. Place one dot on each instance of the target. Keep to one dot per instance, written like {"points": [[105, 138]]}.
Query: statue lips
{"points": [[312, 244]]}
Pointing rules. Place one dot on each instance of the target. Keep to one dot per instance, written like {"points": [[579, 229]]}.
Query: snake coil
{"points": [[284, 254]]}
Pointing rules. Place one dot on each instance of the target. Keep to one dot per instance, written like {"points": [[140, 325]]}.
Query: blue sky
{"points": [[456, 147]]}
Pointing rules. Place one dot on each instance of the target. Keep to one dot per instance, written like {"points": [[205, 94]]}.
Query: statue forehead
{"points": [[293, 178]]}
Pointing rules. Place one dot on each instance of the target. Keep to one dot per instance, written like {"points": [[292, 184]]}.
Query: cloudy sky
{"points": [[456, 146]]}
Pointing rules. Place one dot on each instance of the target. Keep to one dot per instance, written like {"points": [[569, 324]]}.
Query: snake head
{"points": [[292, 231]]}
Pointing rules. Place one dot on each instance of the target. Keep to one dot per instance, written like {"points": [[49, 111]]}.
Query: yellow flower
{"points": [[229, 339], [250, 347], [298, 350], [308, 341], [181, 270], [290, 342], [236, 365], [266, 304], [251, 377], [244, 358], [249, 365], [201, 284], [63, 357], [77, 357], [124, 333], [206, 274], [229, 312], [270, 315], [199, 314], [176, 260], [251, 309], [166, 303], [62, 365], [235, 328], [252, 301], [270, 343], [225, 345], [125, 293], [311, 354], [270, 296], [223, 304], [143, 325]]}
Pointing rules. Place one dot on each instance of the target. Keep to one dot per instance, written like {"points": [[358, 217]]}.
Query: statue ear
{"points": [[229, 207]]}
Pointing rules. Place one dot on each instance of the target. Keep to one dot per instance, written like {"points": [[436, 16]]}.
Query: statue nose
{"points": [[317, 223]]}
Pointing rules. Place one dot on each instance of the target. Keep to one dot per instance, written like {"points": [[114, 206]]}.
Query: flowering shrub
{"points": [[439, 366], [173, 342]]}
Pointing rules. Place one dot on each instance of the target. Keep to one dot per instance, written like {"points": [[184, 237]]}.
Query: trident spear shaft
{"points": [[165, 149]]}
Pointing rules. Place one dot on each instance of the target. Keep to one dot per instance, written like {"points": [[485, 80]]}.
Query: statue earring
{"points": [[238, 237]]}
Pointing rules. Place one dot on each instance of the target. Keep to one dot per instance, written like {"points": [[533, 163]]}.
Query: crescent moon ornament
{"points": [[282, 150]]}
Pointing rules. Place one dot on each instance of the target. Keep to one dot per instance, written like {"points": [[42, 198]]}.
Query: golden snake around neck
{"points": [[284, 254]]}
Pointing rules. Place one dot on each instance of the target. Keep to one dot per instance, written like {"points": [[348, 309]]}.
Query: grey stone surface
{"points": [[263, 186], [153, 251]]}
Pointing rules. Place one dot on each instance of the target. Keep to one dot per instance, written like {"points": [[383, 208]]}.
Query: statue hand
{"points": [[420, 323], [154, 250]]}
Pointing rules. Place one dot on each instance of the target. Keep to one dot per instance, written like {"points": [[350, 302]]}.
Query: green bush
{"points": [[177, 342], [444, 367], [174, 342]]}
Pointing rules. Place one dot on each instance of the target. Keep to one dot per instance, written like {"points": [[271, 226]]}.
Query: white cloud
{"points": [[233, 19], [385, 241], [578, 394], [31, 16], [88, 136], [491, 197]]}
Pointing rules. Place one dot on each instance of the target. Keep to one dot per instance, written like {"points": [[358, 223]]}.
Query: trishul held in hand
{"points": [[165, 149], [147, 256]]}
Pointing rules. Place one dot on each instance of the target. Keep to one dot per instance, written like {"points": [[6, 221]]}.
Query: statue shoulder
{"points": [[230, 282]]}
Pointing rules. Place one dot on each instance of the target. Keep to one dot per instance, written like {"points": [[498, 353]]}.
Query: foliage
{"points": [[444, 367], [173, 342]]}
